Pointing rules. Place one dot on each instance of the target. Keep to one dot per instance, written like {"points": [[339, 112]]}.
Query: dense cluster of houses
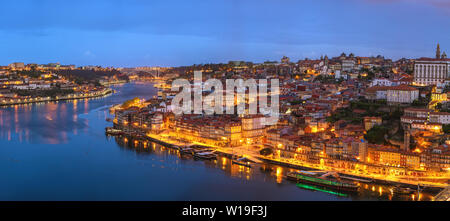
{"points": [[13, 79], [312, 91]]}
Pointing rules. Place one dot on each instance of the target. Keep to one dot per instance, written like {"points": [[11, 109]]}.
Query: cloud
{"points": [[171, 31]]}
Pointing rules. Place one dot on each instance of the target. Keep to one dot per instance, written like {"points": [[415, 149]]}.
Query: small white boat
{"points": [[205, 155]]}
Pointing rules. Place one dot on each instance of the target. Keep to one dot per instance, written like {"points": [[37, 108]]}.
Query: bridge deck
{"points": [[444, 195]]}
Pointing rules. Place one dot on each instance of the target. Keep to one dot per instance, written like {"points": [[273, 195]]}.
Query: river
{"points": [[59, 151]]}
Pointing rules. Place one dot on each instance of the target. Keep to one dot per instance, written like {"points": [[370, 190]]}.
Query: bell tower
{"points": [[438, 52]]}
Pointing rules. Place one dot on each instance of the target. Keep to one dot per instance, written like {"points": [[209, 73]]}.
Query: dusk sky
{"points": [[173, 33]]}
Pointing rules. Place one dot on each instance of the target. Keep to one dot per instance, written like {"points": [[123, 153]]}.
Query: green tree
{"points": [[376, 134], [439, 107], [446, 128]]}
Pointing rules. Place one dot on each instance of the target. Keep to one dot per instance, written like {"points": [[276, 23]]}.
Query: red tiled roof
{"points": [[403, 87], [359, 111], [377, 88], [417, 109], [439, 113], [433, 59]]}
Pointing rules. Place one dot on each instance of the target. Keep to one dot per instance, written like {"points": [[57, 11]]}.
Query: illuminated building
{"points": [[402, 94], [427, 126], [17, 65], [369, 122], [221, 130], [394, 157], [439, 117], [348, 65], [431, 71], [253, 128]]}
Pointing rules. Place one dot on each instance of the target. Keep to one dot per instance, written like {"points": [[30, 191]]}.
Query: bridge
{"points": [[444, 195]]}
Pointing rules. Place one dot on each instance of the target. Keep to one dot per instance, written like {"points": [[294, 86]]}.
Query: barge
{"points": [[329, 180]]}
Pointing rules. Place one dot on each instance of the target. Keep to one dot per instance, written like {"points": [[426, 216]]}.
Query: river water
{"points": [[59, 151]]}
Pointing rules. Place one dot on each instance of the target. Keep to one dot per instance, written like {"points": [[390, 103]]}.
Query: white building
{"points": [[348, 65], [377, 93], [381, 82], [402, 94], [32, 86], [439, 117], [431, 71]]}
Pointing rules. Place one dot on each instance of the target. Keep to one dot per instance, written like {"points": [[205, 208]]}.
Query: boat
{"points": [[205, 155], [403, 190], [321, 189], [357, 179], [113, 131], [186, 150], [329, 180], [196, 151], [242, 161]]}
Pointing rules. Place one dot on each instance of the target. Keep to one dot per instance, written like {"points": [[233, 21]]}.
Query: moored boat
{"points": [[357, 179], [112, 131], [205, 155], [242, 162], [328, 180], [403, 190], [186, 150]]}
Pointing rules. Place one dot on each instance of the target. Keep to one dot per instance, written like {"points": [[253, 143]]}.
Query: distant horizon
{"points": [[224, 62], [175, 33]]}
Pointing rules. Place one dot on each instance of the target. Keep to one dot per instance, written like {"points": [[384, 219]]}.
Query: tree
{"points": [[447, 88], [376, 134], [446, 128], [439, 106], [266, 151]]}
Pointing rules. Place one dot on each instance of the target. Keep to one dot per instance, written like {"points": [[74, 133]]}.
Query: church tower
{"points": [[438, 52]]}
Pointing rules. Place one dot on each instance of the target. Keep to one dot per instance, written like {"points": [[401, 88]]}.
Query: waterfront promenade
{"points": [[252, 153], [100, 93]]}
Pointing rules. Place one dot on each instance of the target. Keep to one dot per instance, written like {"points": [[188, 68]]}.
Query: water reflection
{"points": [[48, 123], [141, 147], [69, 172], [268, 173], [51, 122]]}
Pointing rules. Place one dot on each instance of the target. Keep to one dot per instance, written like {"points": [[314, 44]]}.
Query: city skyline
{"points": [[126, 34]]}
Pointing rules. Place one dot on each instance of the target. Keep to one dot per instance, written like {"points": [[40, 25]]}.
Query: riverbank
{"points": [[252, 154], [378, 179], [110, 83], [8, 102]]}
